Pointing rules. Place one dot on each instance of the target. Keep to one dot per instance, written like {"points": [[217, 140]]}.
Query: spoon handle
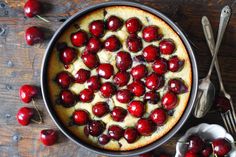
{"points": [[224, 19]]}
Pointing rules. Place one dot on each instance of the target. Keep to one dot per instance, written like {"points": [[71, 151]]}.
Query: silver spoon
{"points": [[206, 89]]}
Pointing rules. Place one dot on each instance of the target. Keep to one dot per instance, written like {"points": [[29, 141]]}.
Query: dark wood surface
{"points": [[20, 64]]}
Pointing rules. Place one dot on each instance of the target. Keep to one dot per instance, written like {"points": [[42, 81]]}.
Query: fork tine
{"points": [[232, 121], [224, 119], [228, 121]]}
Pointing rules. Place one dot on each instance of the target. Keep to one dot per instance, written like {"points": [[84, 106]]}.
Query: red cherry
{"points": [[105, 70], [139, 58], [94, 45], [123, 60], [81, 76], [124, 96], [145, 127], [103, 139], [151, 53], [94, 83], [160, 66], [68, 55], [112, 43], [137, 88], [175, 64], [150, 33], [148, 154], [114, 23], [133, 25], [136, 108], [96, 28], [90, 60], [169, 100], [118, 114], [158, 116], [207, 151], [191, 154], [24, 115], [221, 147], [151, 97], [222, 104], [115, 132], [67, 98], [177, 86], [121, 78], [131, 135], [154, 82], [100, 109], [196, 144], [107, 89], [33, 35], [139, 71], [134, 43], [167, 47], [95, 128], [64, 79], [79, 38], [80, 117], [32, 8], [48, 137], [27, 93], [86, 95]]}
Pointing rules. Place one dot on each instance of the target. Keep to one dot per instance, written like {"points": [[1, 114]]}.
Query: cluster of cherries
{"points": [[197, 147], [124, 61]]}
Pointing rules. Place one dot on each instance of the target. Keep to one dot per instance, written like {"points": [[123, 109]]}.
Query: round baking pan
{"points": [[66, 131]]}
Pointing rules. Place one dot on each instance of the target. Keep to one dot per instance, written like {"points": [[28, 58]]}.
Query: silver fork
{"points": [[229, 116]]}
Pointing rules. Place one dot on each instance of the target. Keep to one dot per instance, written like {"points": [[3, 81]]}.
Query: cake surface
{"points": [[55, 66]]}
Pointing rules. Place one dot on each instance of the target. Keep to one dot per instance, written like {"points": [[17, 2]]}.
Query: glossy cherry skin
{"points": [[67, 98], [100, 109], [158, 116], [115, 132], [145, 127], [24, 115], [86, 95], [68, 55], [121, 78], [82, 75], [105, 70], [124, 96], [154, 82], [123, 61], [48, 137], [131, 135], [90, 60], [191, 154], [221, 147], [175, 64], [207, 151], [167, 47], [94, 45], [64, 79], [103, 139], [151, 53], [95, 127], [96, 28], [107, 89], [177, 86], [32, 8], [169, 100], [133, 25], [139, 71], [151, 97], [33, 35], [150, 33], [27, 93], [118, 114], [112, 44], [137, 88], [196, 144], [94, 83], [160, 66], [136, 108], [222, 104], [79, 38], [80, 117], [113, 23], [134, 43]]}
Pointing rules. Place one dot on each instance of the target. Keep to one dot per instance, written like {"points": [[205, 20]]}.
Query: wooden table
{"points": [[20, 64]]}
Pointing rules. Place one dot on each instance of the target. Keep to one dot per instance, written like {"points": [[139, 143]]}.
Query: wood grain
{"points": [[20, 64]]}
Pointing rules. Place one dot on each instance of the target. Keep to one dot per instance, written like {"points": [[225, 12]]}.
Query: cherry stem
{"points": [[40, 116], [41, 18]]}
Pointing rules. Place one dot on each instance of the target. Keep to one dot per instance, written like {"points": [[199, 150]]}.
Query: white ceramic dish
{"points": [[205, 131]]}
